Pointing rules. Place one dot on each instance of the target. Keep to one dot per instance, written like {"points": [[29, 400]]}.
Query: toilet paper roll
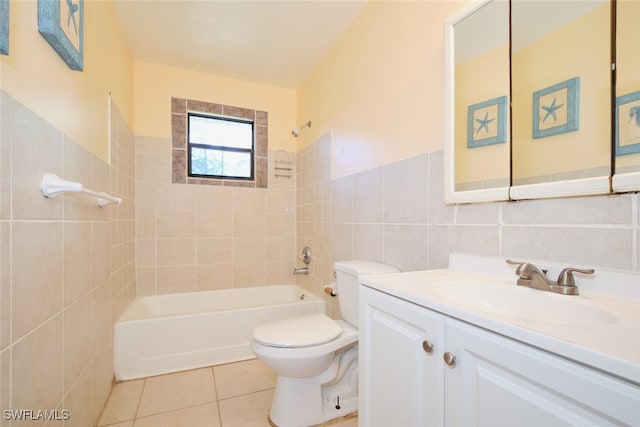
{"points": [[331, 289]]}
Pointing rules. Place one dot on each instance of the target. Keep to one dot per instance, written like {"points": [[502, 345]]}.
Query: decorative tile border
{"points": [[180, 107]]}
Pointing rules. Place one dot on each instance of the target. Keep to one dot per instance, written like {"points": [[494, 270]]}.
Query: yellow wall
{"points": [[380, 88], [72, 101], [628, 60], [480, 79], [580, 49], [156, 84]]}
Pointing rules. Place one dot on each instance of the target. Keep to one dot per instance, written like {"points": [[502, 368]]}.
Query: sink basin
{"points": [[522, 303]]}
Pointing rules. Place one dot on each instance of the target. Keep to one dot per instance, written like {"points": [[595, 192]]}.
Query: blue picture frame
{"points": [[61, 23], [556, 109], [4, 27], [627, 123], [487, 123]]}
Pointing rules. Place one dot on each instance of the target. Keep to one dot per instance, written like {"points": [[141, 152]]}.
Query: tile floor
{"points": [[232, 395]]}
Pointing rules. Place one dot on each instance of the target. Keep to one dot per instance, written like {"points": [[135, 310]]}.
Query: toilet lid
{"points": [[302, 331]]}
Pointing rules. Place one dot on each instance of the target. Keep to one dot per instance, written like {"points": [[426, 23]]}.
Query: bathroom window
{"points": [[220, 147]]}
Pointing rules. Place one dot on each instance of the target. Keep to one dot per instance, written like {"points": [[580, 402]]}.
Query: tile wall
{"points": [[203, 237], [396, 214], [313, 217], [66, 266]]}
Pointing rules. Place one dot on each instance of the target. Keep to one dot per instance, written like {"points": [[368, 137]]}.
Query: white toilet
{"points": [[316, 358]]}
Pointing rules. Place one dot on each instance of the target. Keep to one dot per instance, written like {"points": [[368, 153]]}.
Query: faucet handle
{"points": [[524, 268], [566, 275]]}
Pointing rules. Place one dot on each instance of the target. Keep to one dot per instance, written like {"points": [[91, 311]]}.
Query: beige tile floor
{"points": [[233, 395]]}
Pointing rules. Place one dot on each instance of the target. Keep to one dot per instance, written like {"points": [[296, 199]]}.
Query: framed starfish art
{"points": [[628, 124], [61, 23], [487, 122], [556, 108], [4, 27]]}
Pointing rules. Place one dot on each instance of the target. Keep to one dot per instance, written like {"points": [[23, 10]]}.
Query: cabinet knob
{"points": [[427, 346], [449, 359]]}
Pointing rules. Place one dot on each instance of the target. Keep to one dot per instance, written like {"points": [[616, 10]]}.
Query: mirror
{"points": [[478, 116], [627, 106], [559, 67], [561, 92]]}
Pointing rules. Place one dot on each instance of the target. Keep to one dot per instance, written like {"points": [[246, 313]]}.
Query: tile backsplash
{"points": [[66, 266], [416, 230]]}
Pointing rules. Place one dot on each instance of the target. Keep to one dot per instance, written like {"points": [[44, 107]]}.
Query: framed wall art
{"points": [[487, 122], [4, 27], [556, 109], [628, 124], [61, 23]]}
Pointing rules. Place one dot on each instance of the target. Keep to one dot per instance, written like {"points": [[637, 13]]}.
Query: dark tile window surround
{"points": [[179, 174]]}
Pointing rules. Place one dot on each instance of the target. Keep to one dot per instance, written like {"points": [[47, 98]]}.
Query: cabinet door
{"points": [[497, 381], [400, 382]]}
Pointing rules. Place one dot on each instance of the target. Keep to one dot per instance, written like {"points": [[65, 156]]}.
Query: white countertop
{"points": [[613, 348]]}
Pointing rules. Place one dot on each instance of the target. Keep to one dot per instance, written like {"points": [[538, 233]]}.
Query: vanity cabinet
{"points": [[491, 380]]}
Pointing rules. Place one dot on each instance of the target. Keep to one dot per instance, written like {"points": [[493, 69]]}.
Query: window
{"points": [[220, 147]]}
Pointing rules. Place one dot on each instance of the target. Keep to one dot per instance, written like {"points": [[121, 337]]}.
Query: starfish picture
{"points": [[73, 8], [484, 123], [551, 110]]}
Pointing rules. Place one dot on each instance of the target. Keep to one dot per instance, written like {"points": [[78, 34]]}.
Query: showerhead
{"points": [[297, 130]]}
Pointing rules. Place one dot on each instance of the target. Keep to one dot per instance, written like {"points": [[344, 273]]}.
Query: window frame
{"points": [[251, 150]]}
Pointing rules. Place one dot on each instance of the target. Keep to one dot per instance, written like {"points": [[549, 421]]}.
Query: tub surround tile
{"points": [[214, 276], [175, 278], [248, 274]]}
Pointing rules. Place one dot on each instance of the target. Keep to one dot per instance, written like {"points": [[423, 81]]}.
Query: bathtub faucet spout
{"points": [[303, 270]]}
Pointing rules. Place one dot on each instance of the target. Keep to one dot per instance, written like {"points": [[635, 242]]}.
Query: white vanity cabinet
{"points": [[493, 380], [400, 363]]}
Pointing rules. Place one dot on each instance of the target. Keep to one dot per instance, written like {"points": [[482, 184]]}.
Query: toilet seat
{"points": [[295, 332]]}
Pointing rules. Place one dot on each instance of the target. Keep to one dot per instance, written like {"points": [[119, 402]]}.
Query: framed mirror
{"points": [[627, 105], [477, 90], [571, 126]]}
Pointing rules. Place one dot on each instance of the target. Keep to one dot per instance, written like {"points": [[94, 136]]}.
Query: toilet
{"points": [[316, 357]]}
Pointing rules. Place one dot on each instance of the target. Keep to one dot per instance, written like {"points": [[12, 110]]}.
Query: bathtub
{"points": [[169, 333]]}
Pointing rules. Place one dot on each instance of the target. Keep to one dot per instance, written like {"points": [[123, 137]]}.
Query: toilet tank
{"points": [[347, 283]]}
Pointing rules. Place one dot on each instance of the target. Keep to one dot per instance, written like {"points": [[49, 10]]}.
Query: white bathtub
{"points": [[174, 332]]}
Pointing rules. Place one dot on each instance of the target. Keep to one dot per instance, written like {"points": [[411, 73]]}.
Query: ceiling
{"points": [[277, 43]]}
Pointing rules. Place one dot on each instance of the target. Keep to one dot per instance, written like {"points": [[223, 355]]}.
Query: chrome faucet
{"points": [[531, 276], [303, 270]]}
